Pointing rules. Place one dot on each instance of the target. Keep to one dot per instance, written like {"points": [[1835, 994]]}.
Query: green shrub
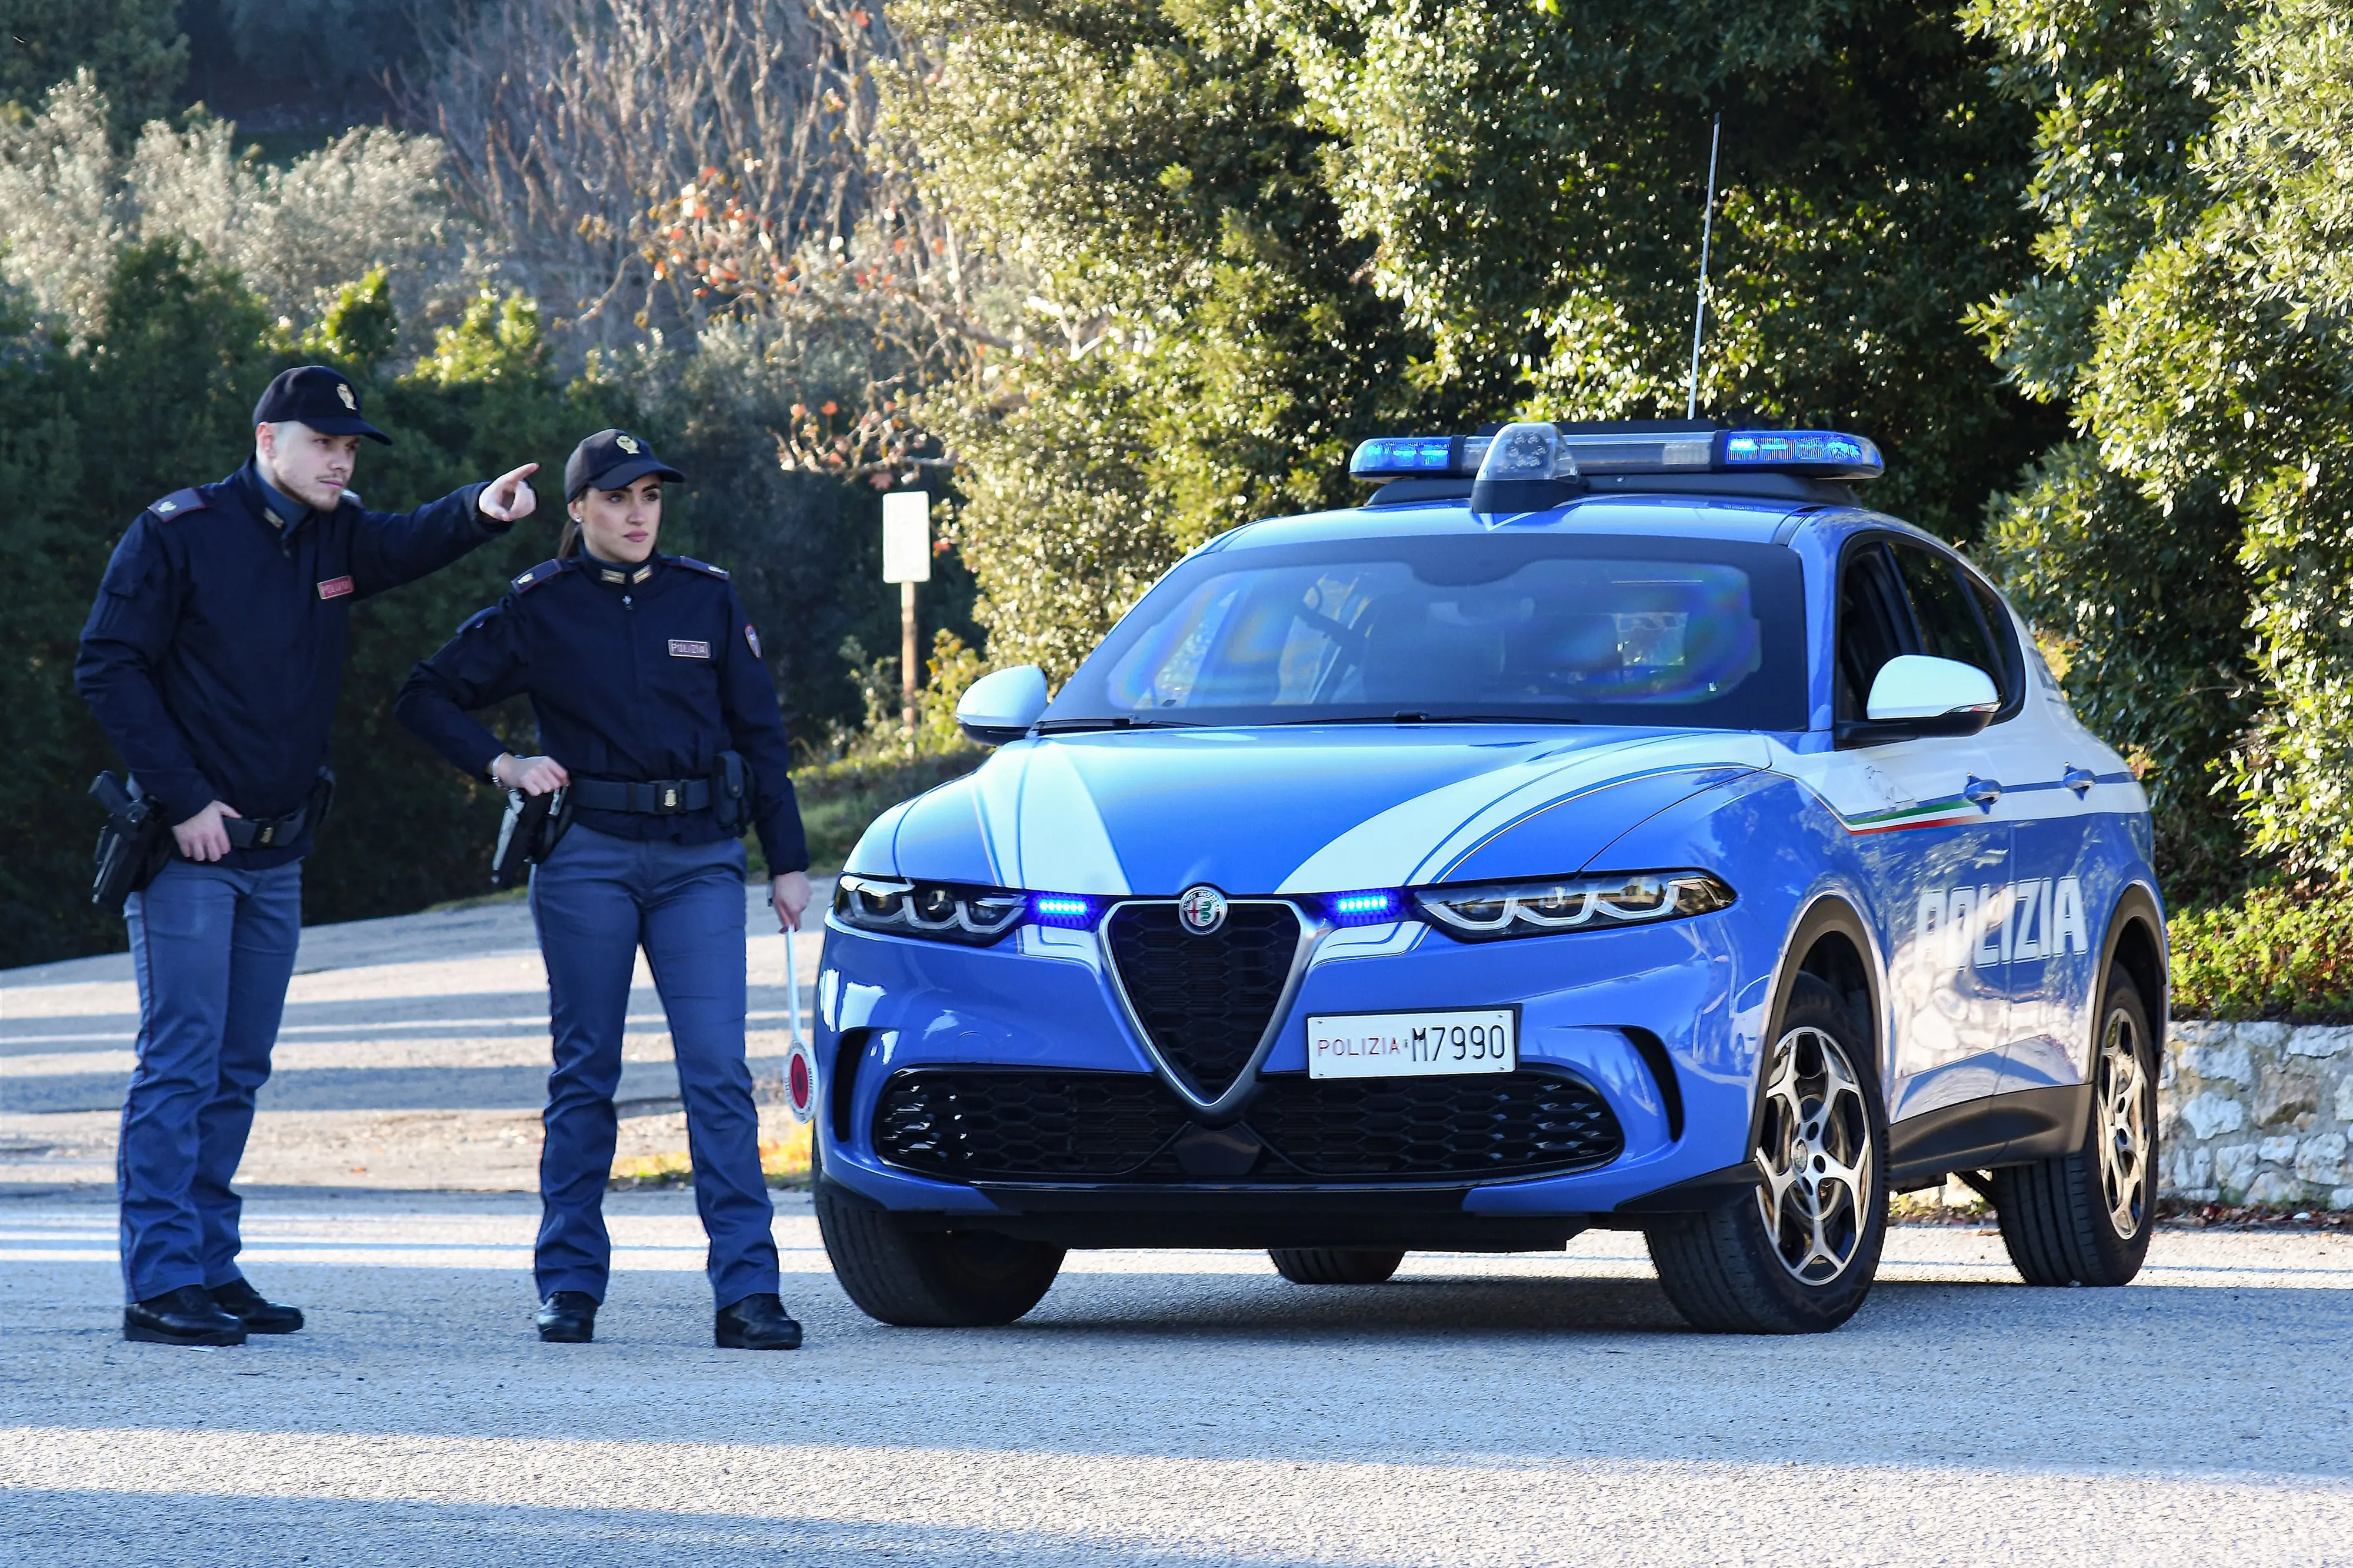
{"points": [[2275, 954]]}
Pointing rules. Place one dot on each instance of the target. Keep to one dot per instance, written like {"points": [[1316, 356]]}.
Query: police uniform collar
{"points": [[615, 574]]}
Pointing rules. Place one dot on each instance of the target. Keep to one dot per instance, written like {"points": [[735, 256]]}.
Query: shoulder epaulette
{"points": [[705, 567], [545, 572], [178, 502]]}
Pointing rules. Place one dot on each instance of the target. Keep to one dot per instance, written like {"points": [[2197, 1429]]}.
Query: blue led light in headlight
{"points": [[1370, 907], [1068, 910]]}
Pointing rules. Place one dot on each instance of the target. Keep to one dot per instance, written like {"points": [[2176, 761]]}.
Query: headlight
{"points": [[1494, 911], [942, 911]]}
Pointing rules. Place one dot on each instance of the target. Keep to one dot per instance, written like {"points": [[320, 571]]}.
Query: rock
{"points": [[2342, 1198], [2228, 1060], [2190, 1170], [2234, 1167], [2276, 1187], [2345, 1098], [2268, 1039], [2213, 1112], [2279, 1149], [2322, 1159], [2283, 1093], [2320, 1040]]}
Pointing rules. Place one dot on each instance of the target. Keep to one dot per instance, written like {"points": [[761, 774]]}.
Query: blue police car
{"points": [[1602, 826]]}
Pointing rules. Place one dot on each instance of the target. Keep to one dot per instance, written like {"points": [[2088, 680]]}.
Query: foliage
{"points": [[2193, 169], [68, 202], [2275, 954], [132, 50], [1199, 346]]}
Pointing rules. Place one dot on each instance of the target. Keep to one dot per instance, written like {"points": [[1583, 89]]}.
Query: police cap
{"points": [[315, 396], [611, 461]]}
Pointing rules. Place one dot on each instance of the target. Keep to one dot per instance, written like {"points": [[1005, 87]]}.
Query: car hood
{"points": [[1297, 809]]}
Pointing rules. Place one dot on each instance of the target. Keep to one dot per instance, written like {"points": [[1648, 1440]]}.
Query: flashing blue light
{"points": [[1823, 453], [1370, 907], [1398, 457], [1067, 910]]}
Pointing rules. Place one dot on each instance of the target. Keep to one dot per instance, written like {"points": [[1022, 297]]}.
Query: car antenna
{"points": [[1706, 235]]}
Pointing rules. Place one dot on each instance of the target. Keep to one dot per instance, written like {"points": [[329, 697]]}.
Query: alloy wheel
{"points": [[1815, 1155], [2122, 1088]]}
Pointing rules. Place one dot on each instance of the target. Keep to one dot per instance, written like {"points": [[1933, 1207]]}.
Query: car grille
{"points": [[987, 1125], [1204, 1000]]}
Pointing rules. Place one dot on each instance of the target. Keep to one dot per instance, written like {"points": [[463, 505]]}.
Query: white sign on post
{"points": [[907, 536]]}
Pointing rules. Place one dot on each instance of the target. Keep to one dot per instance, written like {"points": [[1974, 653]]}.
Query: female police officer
{"points": [[655, 710]]}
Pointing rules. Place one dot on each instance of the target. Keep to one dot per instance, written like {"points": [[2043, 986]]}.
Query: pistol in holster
{"points": [[533, 823], [132, 846]]}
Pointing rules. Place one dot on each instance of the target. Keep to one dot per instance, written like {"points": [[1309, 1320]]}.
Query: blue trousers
{"points": [[213, 948], [597, 899]]}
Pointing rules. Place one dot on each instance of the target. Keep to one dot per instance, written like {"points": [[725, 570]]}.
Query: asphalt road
{"points": [[1176, 1408]]}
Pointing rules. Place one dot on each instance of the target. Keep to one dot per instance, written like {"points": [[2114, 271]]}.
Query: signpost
{"points": [[907, 561]]}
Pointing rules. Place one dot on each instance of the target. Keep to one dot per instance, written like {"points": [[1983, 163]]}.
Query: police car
{"points": [[1601, 826]]}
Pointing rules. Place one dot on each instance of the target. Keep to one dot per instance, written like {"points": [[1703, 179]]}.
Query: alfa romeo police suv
{"points": [[1601, 826]]}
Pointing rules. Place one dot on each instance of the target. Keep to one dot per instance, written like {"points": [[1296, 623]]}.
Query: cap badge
{"points": [[626, 444], [1201, 909], [343, 391]]}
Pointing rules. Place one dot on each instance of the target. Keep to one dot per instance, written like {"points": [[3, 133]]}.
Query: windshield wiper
{"points": [[1417, 717], [1118, 722]]}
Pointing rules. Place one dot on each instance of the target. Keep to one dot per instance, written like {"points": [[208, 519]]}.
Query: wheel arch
{"points": [[1831, 941], [2136, 940]]}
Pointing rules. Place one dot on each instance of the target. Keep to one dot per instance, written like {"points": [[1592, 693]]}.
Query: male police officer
{"points": [[212, 659]]}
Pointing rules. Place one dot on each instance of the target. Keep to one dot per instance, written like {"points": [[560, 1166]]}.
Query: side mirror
{"points": [[1001, 706], [1916, 696]]}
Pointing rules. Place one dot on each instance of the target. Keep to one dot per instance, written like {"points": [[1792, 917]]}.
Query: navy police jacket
{"points": [[214, 651], [634, 673]]}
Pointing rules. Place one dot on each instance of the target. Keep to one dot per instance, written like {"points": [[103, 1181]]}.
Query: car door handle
{"points": [[1981, 792], [2080, 780]]}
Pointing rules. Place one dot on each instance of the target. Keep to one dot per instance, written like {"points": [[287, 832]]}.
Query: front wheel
{"points": [[2083, 1217], [920, 1278], [1798, 1257], [1336, 1265]]}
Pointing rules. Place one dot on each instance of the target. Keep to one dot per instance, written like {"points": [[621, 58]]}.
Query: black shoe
{"points": [[183, 1317], [241, 1300], [757, 1323], [568, 1317]]}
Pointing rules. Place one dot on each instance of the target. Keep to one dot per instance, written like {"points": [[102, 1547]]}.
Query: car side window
{"points": [[1875, 624], [2011, 677], [1952, 621]]}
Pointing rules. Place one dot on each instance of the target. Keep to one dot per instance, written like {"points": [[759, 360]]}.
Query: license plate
{"points": [[1412, 1044]]}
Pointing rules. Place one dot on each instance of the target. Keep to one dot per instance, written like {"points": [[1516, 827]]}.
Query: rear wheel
{"points": [[2083, 1217], [920, 1278], [1799, 1256], [1336, 1265]]}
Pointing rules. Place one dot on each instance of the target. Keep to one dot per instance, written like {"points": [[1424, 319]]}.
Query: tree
{"points": [[132, 49]]}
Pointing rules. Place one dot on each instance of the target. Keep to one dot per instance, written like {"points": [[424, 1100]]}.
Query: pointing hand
{"points": [[508, 498]]}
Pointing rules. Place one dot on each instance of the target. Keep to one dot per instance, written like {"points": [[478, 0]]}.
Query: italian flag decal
{"points": [[1950, 812]]}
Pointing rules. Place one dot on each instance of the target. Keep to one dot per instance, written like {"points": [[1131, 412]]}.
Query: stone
{"points": [[2345, 1098], [2192, 1169], [2342, 1198], [2213, 1112], [2321, 1159], [2279, 1149], [2266, 1039], [2228, 1060], [2282, 1093], [2234, 1167], [2167, 1075], [2320, 1040], [2274, 1187]]}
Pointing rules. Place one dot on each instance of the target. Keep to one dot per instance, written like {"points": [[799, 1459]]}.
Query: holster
{"points": [[731, 790], [135, 843], [533, 826]]}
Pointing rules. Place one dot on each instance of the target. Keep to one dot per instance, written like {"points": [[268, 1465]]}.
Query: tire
{"points": [[918, 1279], [2085, 1217], [1799, 1256], [1336, 1265]]}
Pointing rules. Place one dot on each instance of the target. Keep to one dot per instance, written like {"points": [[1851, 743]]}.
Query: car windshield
{"points": [[1591, 630]]}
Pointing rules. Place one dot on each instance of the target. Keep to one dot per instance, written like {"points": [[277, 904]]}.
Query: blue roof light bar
{"points": [[1596, 450]]}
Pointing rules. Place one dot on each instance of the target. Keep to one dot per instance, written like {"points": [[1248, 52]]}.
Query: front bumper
{"points": [[1661, 1022]]}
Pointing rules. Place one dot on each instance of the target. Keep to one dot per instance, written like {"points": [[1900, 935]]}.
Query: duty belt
{"points": [[653, 797], [261, 832]]}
